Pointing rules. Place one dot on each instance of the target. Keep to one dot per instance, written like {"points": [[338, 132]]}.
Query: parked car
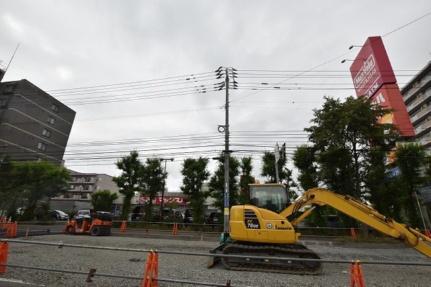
{"points": [[213, 217], [188, 216], [59, 215]]}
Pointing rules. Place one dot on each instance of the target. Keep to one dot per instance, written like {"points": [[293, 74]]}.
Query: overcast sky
{"points": [[71, 44]]}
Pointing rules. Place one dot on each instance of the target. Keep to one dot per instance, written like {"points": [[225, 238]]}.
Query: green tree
{"points": [[410, 158], [304, 159], [9, 186], [40, 180], [216, 184], [285, 174], [342, 134], [153, 179], [245, 180], [268, 167], [103, 200], [345, 155], [130, 180], [382, 186], [195, 173]]}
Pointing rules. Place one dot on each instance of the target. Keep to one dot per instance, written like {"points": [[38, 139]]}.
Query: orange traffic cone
{"points": [[353, 233], [4, 249], [175, 229], [123, 226], [151, 271], [356, 277], [11, 228]]}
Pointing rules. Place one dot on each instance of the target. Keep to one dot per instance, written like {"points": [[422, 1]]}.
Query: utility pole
{"points": [[225, 129], [226, 157], [164, 187]]}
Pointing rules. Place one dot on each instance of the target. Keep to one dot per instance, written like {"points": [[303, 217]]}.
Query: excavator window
{"points": [[271, 197]]}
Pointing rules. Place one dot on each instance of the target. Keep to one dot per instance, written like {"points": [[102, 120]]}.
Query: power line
{"points": [[340, 56], [194, 84], [131, 83], [407, 24]]}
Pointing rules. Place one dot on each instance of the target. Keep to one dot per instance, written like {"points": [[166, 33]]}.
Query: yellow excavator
{"points": [[266, 227]]}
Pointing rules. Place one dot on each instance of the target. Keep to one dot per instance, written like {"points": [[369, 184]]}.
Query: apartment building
{"points": [[417, 97], [33, 125], [81, 186]]}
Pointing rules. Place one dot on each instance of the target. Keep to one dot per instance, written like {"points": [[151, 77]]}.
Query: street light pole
{"points": [[164, 187]]}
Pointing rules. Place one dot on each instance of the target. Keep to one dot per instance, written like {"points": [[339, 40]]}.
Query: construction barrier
{"points": [[123, 226], [10, 227], [151, 274], [356, 277], [4, 249]]}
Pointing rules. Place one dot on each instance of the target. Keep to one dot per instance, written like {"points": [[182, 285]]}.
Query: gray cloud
{"points": [[67, 44]]}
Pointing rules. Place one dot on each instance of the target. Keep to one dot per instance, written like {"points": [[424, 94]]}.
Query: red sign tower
{"points": [[374, 78]]}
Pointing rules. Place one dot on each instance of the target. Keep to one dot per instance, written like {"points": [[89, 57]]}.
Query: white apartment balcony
{"points": [[425, 125], [426, 140], [420, 114], [419, 100], [416, 87]]}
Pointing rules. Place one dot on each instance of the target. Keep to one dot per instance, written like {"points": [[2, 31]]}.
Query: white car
{"points": [[83, 212], [59, 215]]}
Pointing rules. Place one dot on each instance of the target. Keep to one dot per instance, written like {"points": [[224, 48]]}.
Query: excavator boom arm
{"points": [[361, 212]]}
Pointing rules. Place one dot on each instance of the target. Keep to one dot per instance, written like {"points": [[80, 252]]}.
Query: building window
{"points": [[51, 120], [72, 186], [3, 103], [46, 133], [8, 89], [41, 146], [54, 108], [86, 187], [84, 196]]}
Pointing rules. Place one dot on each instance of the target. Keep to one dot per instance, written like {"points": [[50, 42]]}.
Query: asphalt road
{"points": [[194, 268]]}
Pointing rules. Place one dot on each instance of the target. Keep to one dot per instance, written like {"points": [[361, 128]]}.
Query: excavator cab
{"points": [[271, 196]]}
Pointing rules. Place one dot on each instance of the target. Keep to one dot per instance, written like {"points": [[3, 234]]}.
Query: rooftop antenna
{"points": [[8, 64]]}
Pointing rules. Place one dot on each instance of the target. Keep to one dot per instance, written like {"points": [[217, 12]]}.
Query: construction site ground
{"points": [[195, 268]]}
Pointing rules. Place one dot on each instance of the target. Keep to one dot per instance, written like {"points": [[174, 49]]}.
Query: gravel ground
{"points": [[194, 268]]}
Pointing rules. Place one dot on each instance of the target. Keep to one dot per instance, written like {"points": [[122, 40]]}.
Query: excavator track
{"points": [[273, 265]]}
